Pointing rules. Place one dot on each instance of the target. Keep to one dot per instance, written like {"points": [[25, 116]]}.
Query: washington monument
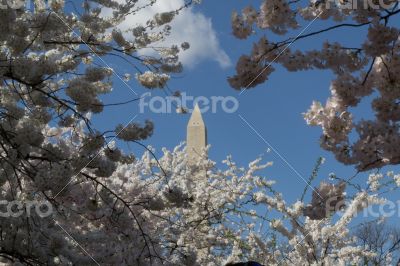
{"points": [[196, 135]]}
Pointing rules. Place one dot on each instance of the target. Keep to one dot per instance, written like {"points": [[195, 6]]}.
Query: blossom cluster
{"points": [[368, 69]]}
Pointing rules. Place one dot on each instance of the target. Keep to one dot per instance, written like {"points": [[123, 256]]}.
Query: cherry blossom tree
{"points": [[367, 70], [108, 207], [53, 71], [167, 211]]}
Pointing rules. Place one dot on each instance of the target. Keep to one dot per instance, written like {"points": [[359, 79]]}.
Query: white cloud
{"points": [[189, 26]]}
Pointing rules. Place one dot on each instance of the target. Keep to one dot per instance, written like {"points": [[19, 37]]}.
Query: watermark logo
{"points": [[360, 4], [169, 104], [17, 208], [386, 209]]}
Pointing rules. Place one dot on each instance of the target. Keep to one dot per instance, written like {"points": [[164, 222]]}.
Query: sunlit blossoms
{"points": [[169, 211], [152, 80]]}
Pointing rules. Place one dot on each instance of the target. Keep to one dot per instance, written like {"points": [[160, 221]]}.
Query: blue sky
{"points": [[273, 108]]}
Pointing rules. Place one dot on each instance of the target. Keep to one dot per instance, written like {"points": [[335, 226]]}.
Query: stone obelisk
{"points": [[196, 135]]}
